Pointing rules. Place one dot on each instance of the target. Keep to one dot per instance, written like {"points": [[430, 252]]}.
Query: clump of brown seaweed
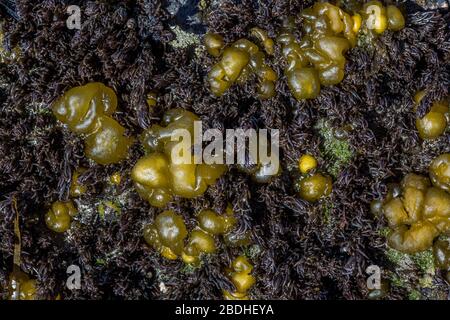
{"points": [[300, 250]]}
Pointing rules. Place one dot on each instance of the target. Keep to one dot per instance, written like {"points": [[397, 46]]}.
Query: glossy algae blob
{"points": [[59, 217], [440, 172], [21, 287], [238, 61], [315, 187], [203, 238], [168, 235], [318, 58], [417, 211], [86, 110], [163, 174], [307, 163], [312, 185], [435, 122], [241, 277]]}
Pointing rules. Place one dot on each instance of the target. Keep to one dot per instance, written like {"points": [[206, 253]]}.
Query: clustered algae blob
{"points": [[238, 61], [201, 239], [20, 286], [440, 172], [312, 185], [169, 235], [86, 110], [379, 18], [307, 163], [240, 275], [435, 122], [328, 33], [318, 59], [60, 215], [165, 172], [418, 210]]}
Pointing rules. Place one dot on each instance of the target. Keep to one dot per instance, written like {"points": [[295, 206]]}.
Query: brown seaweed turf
{"points": [[125, 44]]}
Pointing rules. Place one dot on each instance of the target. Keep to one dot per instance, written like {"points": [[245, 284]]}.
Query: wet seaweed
{"points": [[301, 250]]}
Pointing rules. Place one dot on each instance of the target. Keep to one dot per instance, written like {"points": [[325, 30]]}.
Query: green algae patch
{"points": [[185, 39], [338, 153]]}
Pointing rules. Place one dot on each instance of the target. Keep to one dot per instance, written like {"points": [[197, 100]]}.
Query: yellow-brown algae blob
{"points": [[59, 217], [240, 275], [76, 188], [357, 21], [21, 287], [396, 21], [432, 125], [200, 242], [415, 181], [257, 65], [395, 213], [161, 175], [214, 43], [115, 178], [238, 61], [215, 224], [108, 144], [193, 260], [315, 187], [166, 234], [227, 70], [436, 203], [304, 83], [262, 36], [318, 59], [86, 110], [307, 163], [80, 107], [440, 172], [227, 295], [413, 201], [412, 239], [417, 213]]}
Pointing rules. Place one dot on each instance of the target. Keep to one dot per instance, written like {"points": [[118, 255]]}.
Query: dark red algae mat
{"points": [[300, 250]]}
